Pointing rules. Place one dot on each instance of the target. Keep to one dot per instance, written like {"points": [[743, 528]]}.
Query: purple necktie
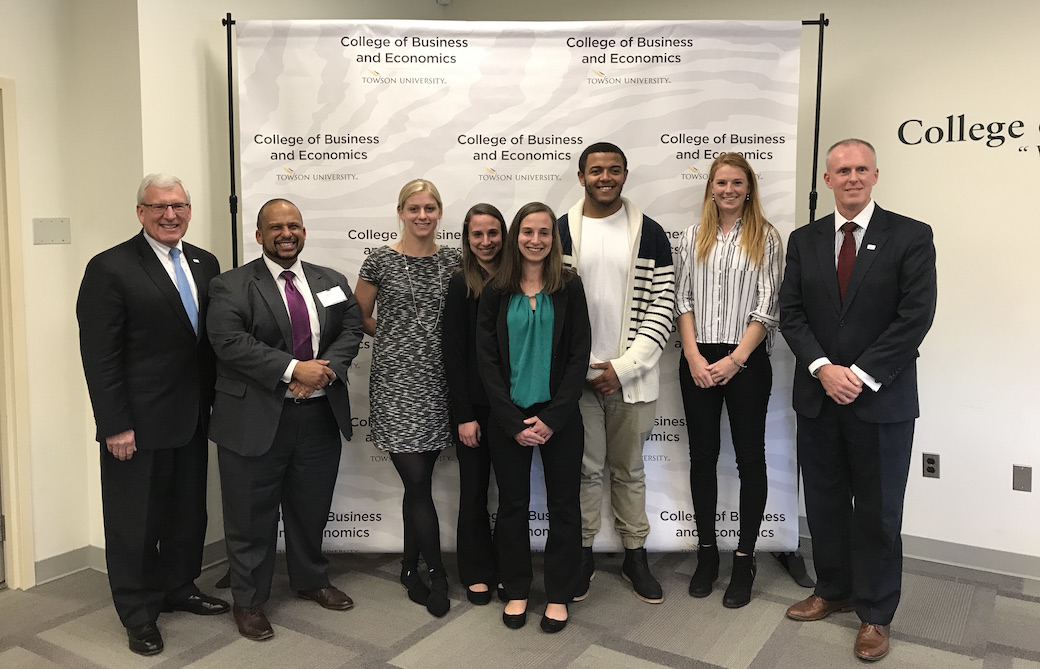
{"points": [[298, 318], [846, 258]]}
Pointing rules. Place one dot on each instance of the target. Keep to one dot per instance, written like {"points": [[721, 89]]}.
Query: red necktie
{"points": [[846, 258], [298, 319]]}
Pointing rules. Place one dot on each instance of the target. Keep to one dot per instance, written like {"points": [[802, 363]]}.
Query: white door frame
{"points": [[19, 551]]}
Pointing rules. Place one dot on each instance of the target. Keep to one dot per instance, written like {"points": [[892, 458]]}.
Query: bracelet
{"points": [[734, 361]]}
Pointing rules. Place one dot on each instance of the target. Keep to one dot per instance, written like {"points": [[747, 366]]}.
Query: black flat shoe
{"points": [[478, 598], [145, 639], [502, 597], [552, 626], [514, 621]]}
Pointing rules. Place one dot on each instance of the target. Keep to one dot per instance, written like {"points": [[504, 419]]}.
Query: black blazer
{"points": [[888, 309], [251, 335], [146, 368], [571, 346], [459, 346]]}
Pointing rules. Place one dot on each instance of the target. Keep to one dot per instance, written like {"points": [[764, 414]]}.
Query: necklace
{"points": [[415, 305]]}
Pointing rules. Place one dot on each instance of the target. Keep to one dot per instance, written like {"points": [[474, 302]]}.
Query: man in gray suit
{"points": [[284, 333]]}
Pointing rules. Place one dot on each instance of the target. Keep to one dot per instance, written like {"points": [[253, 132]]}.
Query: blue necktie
{"points": [[184, 288]]}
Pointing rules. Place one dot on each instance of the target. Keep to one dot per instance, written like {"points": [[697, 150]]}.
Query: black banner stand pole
{"points": [[793, 562], [228, 22], [823, 22]]}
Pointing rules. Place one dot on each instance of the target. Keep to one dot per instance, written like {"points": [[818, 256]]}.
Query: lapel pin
{"points": [[870, 247]]}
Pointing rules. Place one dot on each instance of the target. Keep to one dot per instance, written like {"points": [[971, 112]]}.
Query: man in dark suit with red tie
{"points": [[857, 299], [285, 333], [149, 371]]}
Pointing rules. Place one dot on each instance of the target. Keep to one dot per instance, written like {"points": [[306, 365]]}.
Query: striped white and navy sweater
{"points": [[650, 295]]}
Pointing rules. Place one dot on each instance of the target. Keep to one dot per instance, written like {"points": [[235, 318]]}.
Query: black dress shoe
{"points": [[224, 582], [199, 604], [145, 639]]}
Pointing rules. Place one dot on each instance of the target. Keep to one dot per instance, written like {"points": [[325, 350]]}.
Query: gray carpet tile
{"points": [[949, 618]]}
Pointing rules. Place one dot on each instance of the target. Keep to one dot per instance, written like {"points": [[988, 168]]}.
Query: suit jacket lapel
{"points": [[268, 289], [157, 273], [873, 242], [318, 282], [198, 273], [824, 242], [559, 300]]}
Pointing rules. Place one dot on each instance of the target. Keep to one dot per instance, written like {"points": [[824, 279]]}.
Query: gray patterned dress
{"points": [[407, 389]]}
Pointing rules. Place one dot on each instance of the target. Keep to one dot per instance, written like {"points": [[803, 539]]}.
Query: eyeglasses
{"points": [[178, 207]]}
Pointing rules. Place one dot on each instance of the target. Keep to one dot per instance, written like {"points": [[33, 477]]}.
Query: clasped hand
{"points": [[310, 375], [535, 434], [840, 383]]}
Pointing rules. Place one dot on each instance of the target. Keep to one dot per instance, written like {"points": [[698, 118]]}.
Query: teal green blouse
{"points": [[530, 348]]}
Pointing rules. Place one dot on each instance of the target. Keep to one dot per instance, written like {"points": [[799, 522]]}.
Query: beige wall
{"points": [[109, 89]]}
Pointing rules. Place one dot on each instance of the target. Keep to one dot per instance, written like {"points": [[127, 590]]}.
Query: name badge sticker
{"points": [[332, 296]]}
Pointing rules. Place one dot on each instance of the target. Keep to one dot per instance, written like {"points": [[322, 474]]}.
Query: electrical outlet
{"points": [[930, 465], [1022, 478]]}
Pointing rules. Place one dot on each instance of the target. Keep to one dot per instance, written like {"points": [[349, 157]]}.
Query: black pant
{"points": [[299, 473], [855, 478], [746, 396], [154, 506], [476, 551], [561, 463]]}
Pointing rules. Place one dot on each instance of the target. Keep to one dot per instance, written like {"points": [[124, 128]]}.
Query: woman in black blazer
{"points": [[533, 345], [483, 233]]}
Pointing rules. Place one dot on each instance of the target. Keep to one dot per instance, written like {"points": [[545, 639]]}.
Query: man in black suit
{"points": [[856, 302], [284, 333], [149, 371]]}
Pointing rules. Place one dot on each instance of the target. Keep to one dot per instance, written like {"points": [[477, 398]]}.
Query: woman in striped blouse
{"points": [[727, 281]]}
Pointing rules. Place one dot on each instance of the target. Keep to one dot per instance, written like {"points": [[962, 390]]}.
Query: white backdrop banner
{"points": [[337, 116]]}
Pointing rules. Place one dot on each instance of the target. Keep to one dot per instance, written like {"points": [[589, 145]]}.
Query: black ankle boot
{"points": [[417, 590], [588, 571], [438, 603], [738, 593], [707, 571], [636, 570]]}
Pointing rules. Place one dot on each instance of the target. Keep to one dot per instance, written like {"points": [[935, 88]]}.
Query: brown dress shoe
{"points": [[331, 598], [252, 623], [817, 608], [871, 642]]}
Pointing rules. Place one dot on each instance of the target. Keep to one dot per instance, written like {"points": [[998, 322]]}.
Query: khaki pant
{"points": [[614, 436]]}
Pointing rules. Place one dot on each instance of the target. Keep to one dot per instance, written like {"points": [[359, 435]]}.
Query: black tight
{"points": [[422, 532]]}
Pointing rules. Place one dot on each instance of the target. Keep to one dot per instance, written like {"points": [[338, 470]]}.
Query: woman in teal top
{"points": [[533, 344]]}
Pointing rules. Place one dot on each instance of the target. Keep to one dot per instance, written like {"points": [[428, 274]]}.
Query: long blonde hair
{"points": [[754, 226]]}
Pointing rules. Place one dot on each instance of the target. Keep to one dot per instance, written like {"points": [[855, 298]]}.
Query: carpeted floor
{"points": [[950, 618]]}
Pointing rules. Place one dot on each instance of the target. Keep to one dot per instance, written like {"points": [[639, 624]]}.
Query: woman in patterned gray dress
{"points": [[408, 392]]}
